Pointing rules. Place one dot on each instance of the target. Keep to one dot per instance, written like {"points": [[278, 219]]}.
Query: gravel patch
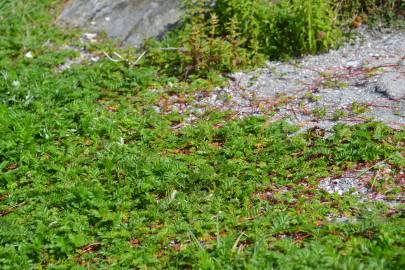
{"points": [[363, 182], [343, 185], [84, 55], [363, 80]]}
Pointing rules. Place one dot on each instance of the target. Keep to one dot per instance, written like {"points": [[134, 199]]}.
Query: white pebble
{"points": [[29, 55]]}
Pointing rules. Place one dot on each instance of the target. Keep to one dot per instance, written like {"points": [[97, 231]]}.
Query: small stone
{"points": [[89, 37], [392, 85], [29, 55], [16, 83], [354, 64]]}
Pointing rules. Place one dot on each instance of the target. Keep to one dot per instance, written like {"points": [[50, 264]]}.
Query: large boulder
{"points": [[133, 21]]}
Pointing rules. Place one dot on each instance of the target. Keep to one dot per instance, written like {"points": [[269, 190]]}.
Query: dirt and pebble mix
{"points": [[362, 80]]}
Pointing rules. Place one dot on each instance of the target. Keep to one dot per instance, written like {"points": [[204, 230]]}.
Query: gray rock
{"points": [[392, 85], [133, 21]]}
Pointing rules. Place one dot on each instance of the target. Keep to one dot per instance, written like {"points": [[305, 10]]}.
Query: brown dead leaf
{"points": [[297, 236], [11, 166], [320, 35], [357, 22], [3, 197], [176, 247], [216, 145], [112, 108], [5, 212], [135, 242], [88, 142], [180, 151], [11, 209], [90, 248], [156, 226]]}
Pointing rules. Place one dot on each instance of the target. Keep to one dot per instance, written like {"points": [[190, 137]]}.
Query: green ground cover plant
{"points": [[92, 177], [235, 34], [373, 12]]}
